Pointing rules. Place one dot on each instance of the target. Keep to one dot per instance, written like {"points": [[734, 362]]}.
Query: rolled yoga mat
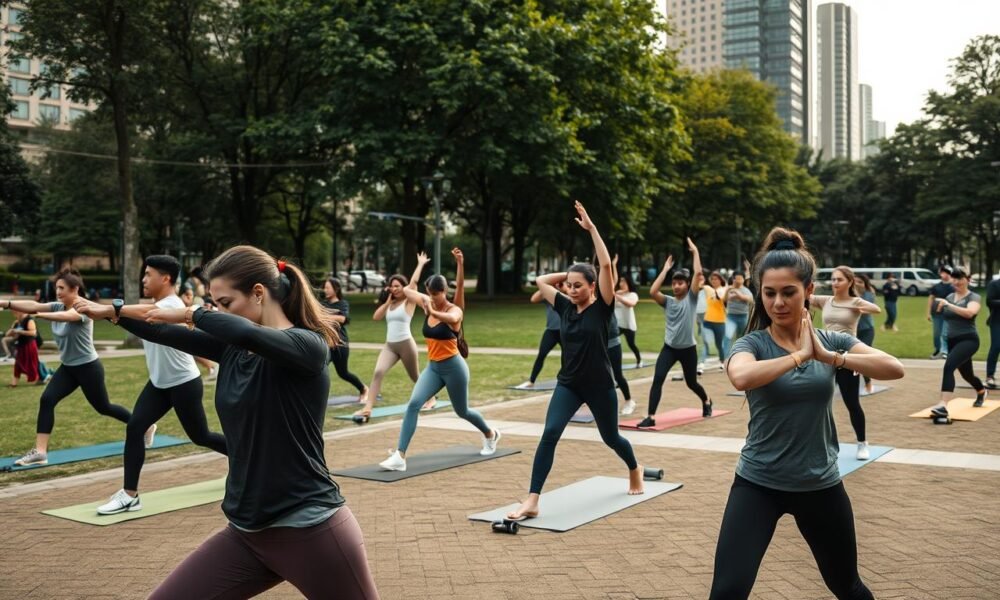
{"points": [[580, 503], [427, 462], [153, 503], [395, 409], [672, 418], [71, 455]]}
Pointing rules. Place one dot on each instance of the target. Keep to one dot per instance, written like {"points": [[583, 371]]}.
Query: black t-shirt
{"points": [[993, 299], [584, 339], [344, 309], [271, 399], [891, 291], [24, 340], [942, 289]]}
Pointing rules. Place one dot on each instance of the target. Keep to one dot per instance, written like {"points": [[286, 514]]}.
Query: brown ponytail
{"points": [[72, 278], [246, 266]]}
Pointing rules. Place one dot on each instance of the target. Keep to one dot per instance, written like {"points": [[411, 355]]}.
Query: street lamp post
{"points": [[840, 240], [429, 185]]}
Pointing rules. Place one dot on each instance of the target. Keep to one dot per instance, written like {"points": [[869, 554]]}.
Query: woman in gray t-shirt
{"points": [[789, 462], [80, 367], [959, 309]]}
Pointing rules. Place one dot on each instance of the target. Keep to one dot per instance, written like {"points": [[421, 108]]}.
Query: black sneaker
{"points": [[980, 397], [706, 409], [647, 422], [939, 411]]}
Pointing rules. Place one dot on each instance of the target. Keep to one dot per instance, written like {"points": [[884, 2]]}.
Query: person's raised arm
{"points": [[605, 279], [537, 297], [412, 295], [547, 286], [422, 261], [459, 277], [654, 288], [696, 282]]}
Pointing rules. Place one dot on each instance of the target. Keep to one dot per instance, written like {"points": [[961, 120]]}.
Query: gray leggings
{"points": [[392, 353], [452, 373]]}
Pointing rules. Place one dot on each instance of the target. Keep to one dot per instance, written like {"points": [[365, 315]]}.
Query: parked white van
{"points": [[913, 281]]}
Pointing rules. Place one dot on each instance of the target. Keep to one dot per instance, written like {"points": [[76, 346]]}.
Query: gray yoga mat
{"points": [[396, 409], [582, 416], [634, 366], [581, 502], [428, 462], [342, 400], [540, 386]]}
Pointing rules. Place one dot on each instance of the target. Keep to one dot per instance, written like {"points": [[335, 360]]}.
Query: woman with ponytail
{"points": [[287, 519], [585, 312], [841, 312], [789, 462], [79, 366]]}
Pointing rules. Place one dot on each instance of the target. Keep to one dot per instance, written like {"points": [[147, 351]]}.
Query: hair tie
{"points": [[281, 266], [784, 245]]}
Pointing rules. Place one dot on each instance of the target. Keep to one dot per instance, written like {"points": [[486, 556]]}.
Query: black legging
{"points": [[867, 337], [564, 404], [152, 404], [688, 357], [550, 337], [615, 354], [630, 339], [825, 519], [90, 379], [961, 349], [849, 384], [339, 355]]}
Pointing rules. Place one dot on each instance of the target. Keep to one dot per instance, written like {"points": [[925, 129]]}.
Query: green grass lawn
{"points": [[78, 425]]}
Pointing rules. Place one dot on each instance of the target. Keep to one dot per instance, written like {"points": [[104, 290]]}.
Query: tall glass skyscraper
{"points": [[840, 113], [772, 39]]}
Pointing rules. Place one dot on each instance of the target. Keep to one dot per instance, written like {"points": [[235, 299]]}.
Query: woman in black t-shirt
{"points": [[585, 377], [334, 302]]}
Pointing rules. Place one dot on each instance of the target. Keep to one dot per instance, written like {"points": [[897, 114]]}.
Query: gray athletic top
{"points": [[958, 325], [792, 440], [614, 334], [74, 338], [680, 321], [735, 307], [552, 318], [867, 321]]}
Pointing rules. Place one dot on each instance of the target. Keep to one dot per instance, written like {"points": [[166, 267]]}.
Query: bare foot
{"points": [[366, 411], [363, 397], [635, 481], [527, 510], [430, 404]]}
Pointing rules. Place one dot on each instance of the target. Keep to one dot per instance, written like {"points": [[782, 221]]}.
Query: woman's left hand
{"points": [[174, 316], [584, 219]]}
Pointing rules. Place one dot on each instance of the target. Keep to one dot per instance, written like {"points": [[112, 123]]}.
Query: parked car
{"points": [[375, 279], [913, 281]]}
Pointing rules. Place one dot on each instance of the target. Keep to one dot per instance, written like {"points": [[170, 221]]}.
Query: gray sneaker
{"points": [[33, 457]]}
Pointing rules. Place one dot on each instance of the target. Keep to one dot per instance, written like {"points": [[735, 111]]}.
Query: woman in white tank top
{"points": [[399, 343]]}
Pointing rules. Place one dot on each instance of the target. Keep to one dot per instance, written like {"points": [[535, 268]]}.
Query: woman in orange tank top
{"points": [[445, 367]]}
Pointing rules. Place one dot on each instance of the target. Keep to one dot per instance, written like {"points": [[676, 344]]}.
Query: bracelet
{"points": [[798, 363], [189, 316]]}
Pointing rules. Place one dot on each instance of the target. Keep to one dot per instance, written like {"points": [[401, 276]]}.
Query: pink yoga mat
{"points": [[672, 418]]}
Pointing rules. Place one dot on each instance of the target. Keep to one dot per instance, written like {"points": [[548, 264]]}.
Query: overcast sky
{"points": [[904, 47]]}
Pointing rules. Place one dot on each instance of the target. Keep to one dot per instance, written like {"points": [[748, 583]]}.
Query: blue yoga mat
{"points": [[848, 464], [396, 409], [71, 455]]}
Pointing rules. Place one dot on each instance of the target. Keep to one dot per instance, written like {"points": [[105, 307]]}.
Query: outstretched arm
{"points": [[459, 277], [605, 278], [696, 282], [26, 306], [654, 289]]}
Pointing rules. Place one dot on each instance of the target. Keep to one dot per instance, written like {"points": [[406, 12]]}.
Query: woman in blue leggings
{"points": [[445, 368], [585, 312]]}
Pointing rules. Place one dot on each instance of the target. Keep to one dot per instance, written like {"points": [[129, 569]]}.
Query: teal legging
{"points": [[453, 374]]}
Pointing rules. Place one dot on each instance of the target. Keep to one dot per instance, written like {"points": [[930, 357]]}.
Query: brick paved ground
{"points": [[924, 532]]}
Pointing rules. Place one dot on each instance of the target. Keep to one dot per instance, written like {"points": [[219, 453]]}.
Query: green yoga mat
{"points": [[71, 455], [153, 503], [396, 409]]}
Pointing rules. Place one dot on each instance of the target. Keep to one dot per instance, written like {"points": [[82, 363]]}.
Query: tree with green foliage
{"points": [[19, 194]]}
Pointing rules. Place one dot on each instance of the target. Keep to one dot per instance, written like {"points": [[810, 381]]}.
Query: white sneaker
{"points": [[119, 503], [33, 457], [6, 359], [527, 385], [701, 368], [395, 462], [490, 444], [147, 438], [863, 451], [629, 407]]}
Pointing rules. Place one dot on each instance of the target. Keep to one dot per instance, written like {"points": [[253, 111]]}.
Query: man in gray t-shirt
{"points": [[680, 320]]}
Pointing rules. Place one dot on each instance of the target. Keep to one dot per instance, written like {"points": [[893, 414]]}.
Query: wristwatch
{"points": [[117, 304]]}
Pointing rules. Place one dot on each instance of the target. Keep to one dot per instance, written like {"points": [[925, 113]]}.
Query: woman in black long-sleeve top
{"points": [[287, 519]]}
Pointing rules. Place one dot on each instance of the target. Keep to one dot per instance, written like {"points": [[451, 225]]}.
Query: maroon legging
{"points": [[324, 561]]}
